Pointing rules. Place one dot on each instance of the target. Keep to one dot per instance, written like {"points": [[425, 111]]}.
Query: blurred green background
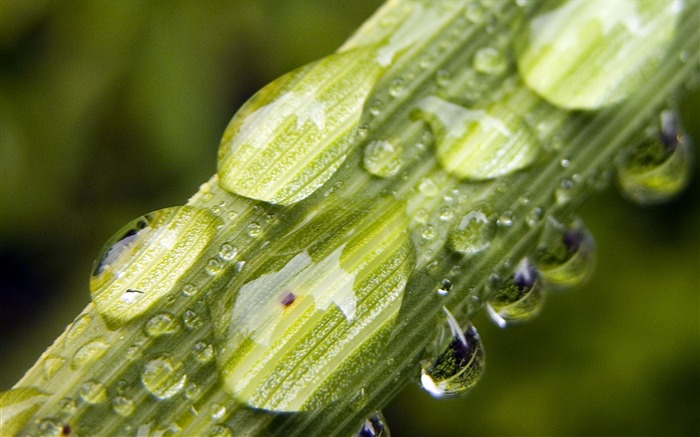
{"points": [[111, 109]]}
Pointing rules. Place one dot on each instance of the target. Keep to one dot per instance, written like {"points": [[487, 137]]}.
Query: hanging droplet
{"points": [[458, 366], [480, 143], [89, 352], [382, 159], [374, 426], [565, 255], [473, 233], [519, 298], [659, 168], [145, 260], [163, 378]]}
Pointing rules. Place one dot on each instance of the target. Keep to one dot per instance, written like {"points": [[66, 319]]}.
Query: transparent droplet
{"points": [[89, 352], [189, 290], [375, 107], [161, 324], [218, 412], [214, 266], [382, 159], [145, 260], [68, 406], [534, 216], [458, 366], [566, 191], [565, 254], [52, 364], [227, 252], [192, 391], [506, 219], [220, 431], [93, 392], [473, 233], [374, 426], [489, 60], [475, 13], [203, 352], [660, 167], [428, 232], [519, 298], [123, 406], [446, 213], [397, 87], [254, 230], [49, 427], [163, 378], [78, 326], [191, 319]]}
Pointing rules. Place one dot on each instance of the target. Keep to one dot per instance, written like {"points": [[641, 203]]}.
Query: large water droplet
{"points": [[163, 378], [458, 366], [144, 261], [479, 143], [659, 168], [374, 426], [565, 254], [382, 159], [473, 233], [519, 298], [89, 352]]}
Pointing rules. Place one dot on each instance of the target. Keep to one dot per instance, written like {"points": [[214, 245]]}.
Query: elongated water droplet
{"points": [[479, 143], [458, 366], [565, 254], [519, 298], [163, 378], [473, 233], [584, 55], [659, 168], [290, 137], [144, 261], [374, 426], [89, 352]]}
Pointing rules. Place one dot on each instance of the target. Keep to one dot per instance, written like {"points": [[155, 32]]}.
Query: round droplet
{"points": [[445, 287], [534, 216], [519, 298], [660, 167], [397, 87], [161, 324], [227, 252], [49, 427], [145, 260], [192, 391], [506, 219], [254, 230], [189, 290], [458, 366], [473, 233], [191, 319], [163, 378], [214, 266], [218, 412], [123, 406], [93, 392], [89, 352], [489, 60], [374, 426], [203, 352], [382, 159], [565, 255]]}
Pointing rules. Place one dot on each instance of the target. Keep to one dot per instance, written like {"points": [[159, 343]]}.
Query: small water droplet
{"points": [[161, 324], [79, 325], [660, 167], [192, 391], [473, 233], [49, 427], [566, 191], [382, 159], [93, 392], [397, 87], [445, 287], [254, 230], [163, 378], [442, 78], [506, 219], [220, 431], [374, 426], [421, 216], [446, 213], [428, 187], [475, 13], [191, 319], [189, 290], [89, 352], [214, 266], [203, 352], [218, 412], [227, 252], [68, 406], [534, 216], [458, 366], [428, 232], [519, 298], [52, 364], [123, 406], [375, 107], [565, 254], [489, 60]]}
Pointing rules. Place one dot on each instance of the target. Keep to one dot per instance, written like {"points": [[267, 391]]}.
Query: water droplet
{"points": [[489, 60], [397, 87], [428, 232], [79, 325], [374, 426], [475, 13], [214, 266], [218, 412], [473, 233], [144, 261], [506, 219], [163, 378], [161, 324], [660, 167], [93, 392], [375, 107], [189, 290], [519, 298], [382, 159], [123, 406], [566, 191], [52, 364], [428, 187], [220, 431], [254, 230], [203, 352], [49, 427], [192, 391], [191, 319], [458, 366], [227, 252], [445, 287], [565, 255], [534, 216], [68, 406], [442, 78], [89, 352]]}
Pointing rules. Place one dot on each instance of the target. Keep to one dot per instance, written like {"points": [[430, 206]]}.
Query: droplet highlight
{"points": [[519, 298], [374, 426]]}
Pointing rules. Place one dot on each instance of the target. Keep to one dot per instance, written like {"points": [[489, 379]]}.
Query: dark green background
{"points": [[111, 109]]}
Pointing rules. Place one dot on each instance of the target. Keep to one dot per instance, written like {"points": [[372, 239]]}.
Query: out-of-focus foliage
{"points": [[112, 109]]}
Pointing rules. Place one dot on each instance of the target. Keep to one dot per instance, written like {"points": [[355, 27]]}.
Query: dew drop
{"points": [[203, 352], [93, 392], [473, 233], [489, 60], [220, 431], [163, 378], [660, 167], [534, 216], [374, 426], [189, 290], [475, 13], [89, 352], [519, 298], [192, 391], [397, 87], [565, 255], [445, 287], [79, 325], [144, 261], [123, 406], [49, 427], [446, 213], [161, 324], [381, 158], [214, 267], [218, 412], [458, 366], [227, 252], [506, 219], [254, 230], [428, 232], [375, 107], [52, 364], [191, 319]]}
